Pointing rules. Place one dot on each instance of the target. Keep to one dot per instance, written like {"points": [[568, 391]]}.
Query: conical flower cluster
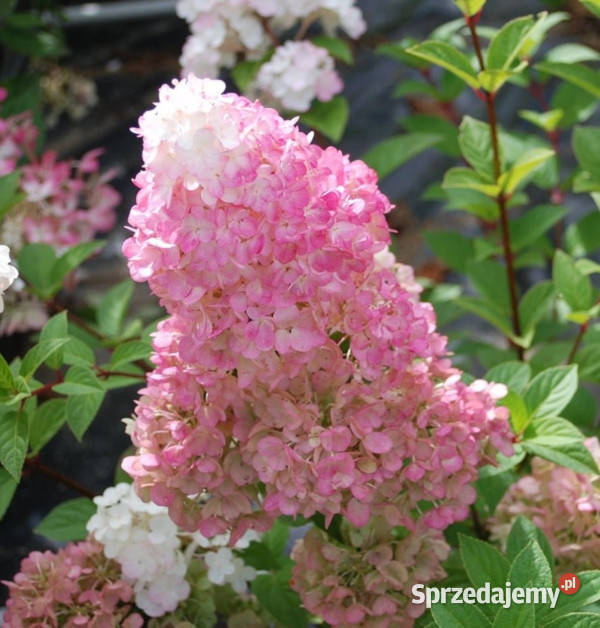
{"points": [[298, 371]]}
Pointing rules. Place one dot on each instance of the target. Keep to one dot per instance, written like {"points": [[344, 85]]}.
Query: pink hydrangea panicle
{"points": [[298, 371], [368, 580], [76, 586], [564, 504]]}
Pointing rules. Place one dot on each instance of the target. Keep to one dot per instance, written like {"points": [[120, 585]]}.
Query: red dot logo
{"points": [[569, 583]]}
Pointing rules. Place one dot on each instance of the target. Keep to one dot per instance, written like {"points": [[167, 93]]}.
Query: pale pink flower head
{"points": [[298, 371], [295, 75]]}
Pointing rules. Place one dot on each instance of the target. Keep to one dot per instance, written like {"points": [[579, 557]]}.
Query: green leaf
{"points": [[515, 616], [130, 352], [35, 265], [552, 431], [589, 593], [585, 144], [112, 308], [47, 420], [473, 202], [573, 285], [8, 486], [31, 42], [572, 53], [576, 620], [583, 237], [390, 154], [491, 487], [533, 224], [459, 616], [9, 194], [475, 143], [38, 354], [329, 117], [547, 120], [7, 380], [493, 80], [338, 48], [67, 521], [482, 562], [592, 6], [443, 54], [530, 568], [453, 248], [515, 375], [575, 73], [521, 534], [412, 86], [70, 260], [55, 328], [470, 7], [535, 304], [466, 178], [588, 361], [274, 593], [82, 410], [525, 165], [487, 311], [244, 73], [508, 45], [446, 132], [576, 104], [582, 409], [490, 280], [519, 416], [398, 50], [78, 353], [551, 390], [14, 434], [571, 454], [269, 552], [79, 381]]}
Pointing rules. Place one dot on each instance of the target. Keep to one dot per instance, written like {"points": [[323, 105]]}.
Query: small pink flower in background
{"points": [[76, 586], [564, 504], [62, 203]]}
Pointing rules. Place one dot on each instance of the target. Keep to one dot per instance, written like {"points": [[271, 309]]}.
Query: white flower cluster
{"points": [[144, 541], [296, 74], [224, 567], [223, 31], [8, 273], [220, 30]]}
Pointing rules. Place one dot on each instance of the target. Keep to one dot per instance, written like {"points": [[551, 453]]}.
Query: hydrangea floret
{"points": [[76, 586], [564, 504], [298, 372], [223, 31]]}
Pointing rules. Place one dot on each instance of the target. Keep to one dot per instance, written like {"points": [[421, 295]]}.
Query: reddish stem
{"points": [[34, 464], [501, 199]]}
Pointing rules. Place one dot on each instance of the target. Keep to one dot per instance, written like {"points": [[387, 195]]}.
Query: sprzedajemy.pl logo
{"points": [[487, 594]]}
